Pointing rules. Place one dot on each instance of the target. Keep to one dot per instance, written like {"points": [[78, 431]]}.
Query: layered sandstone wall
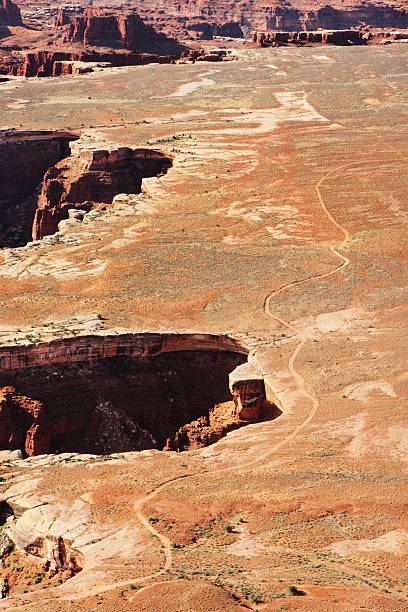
{"points": [[113, 393], [54, 63], [180, 17], [93, 348], [24, 158], [102, 29], [336, 37], [9, 14], [91, 177]]}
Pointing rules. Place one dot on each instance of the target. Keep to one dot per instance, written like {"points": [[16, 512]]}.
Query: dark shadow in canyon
{"points": [[41, 180], [24, 159], [120, 393]]}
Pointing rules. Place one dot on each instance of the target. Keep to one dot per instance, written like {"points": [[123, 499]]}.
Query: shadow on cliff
{"points": [[125, 393]]}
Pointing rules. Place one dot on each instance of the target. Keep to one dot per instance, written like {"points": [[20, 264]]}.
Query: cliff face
{"points": [[90, 177], [9, 14], [336, 37], [182, 17], [56, 63], [24, 158], [98, 28], [113, 393], [327, 17]]}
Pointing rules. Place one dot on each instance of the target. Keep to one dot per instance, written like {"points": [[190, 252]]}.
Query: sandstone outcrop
{"points": [[248, 390], [181, 18], [106, 394], [24, 159], [206, 30], [61, 63], [62, 19], [23, 423], [9, 14], [323, 37], [98, 28], [92, 177]]}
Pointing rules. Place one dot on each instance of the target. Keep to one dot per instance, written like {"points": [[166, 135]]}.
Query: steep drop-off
{"points": [[181, 18], [92, 177], [44, 174], [101, 28], [119, 393], [9, 14], [24, 159]]}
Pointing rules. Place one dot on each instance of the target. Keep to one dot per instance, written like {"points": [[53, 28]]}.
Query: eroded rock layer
{"points": [[119, 393], [9, 14], [63, 63], [24, 159], [183, 19], [89, 177], [105, 29], [323, 37]]}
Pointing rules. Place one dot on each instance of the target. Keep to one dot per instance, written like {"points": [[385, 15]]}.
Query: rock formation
{"points": [[23, 423], [24, 159], [129, 392], [41, 178], [9, 14], [181, 18], [91, 177], [62, 19], [206, 31], [98, 28], [61, 63], [325, 37]]}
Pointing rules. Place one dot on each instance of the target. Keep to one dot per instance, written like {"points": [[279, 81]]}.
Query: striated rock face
{"points": [[90, 177], [206, 31], [336, 37], [102, 29], [56, 63], [180, 17], [9, 14], [62, 19], [248, 390], [24, 158], [23, 423], [115, 393]]}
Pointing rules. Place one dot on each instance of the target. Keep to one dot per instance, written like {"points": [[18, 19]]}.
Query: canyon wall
{"points": [[24, 158], [336, 37], [9, 14], [115, 393], [181, 17], [61, 63], [91, 177], [103, 29]]}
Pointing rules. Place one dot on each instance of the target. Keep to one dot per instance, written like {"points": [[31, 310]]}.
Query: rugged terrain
{"points": [[278, 232]]}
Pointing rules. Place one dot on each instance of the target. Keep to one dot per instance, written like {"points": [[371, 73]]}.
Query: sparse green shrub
{"points": [[294, 591]]}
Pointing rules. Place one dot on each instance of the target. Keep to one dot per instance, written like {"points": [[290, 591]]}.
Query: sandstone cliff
{"points": [[60, 63], [9, 14], [24, 158], [130, 392], [325, 37], [97, 28], [91, 177], [182, 17]]}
